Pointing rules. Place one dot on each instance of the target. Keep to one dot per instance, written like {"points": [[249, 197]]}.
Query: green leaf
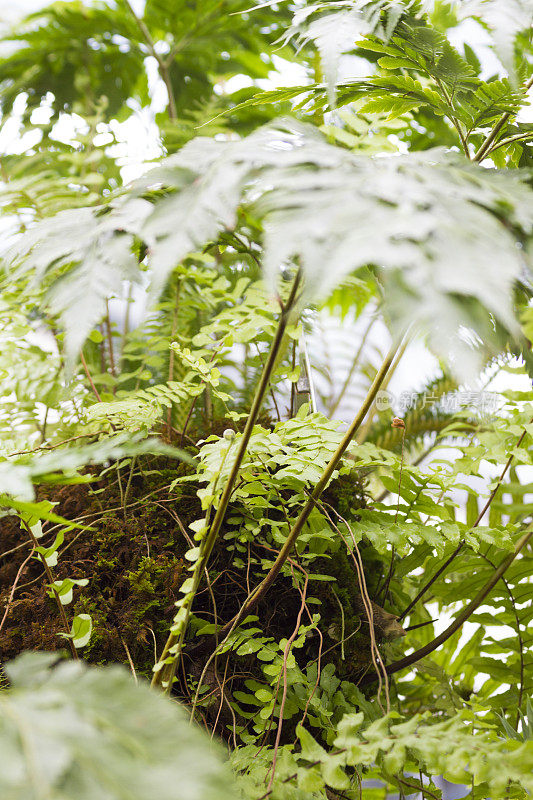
{"points": [[82, 732], [82, 626], [63, 589], [428, 204]]}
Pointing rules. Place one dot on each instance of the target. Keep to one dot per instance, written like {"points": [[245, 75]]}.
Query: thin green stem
{"points": [[48, 571], [161, 63], [109, 333], [510, 139], [493, 135], [315, 495], [127, 314], [363, 432], [335, 595], [460, 546], [455, 122], [173, 354]]}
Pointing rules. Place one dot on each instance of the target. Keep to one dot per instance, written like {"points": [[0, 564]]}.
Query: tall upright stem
{"points": [[297, 528], [164, 672], [364, 430], [172, 354]]}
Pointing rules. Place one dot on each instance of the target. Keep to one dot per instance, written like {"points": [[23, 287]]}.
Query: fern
{"points": [[143, 408], [396, 743], [490, 101], [334, 28], [19, 472], [94, 45], [427, 203], [107, 736], [424, 415], [100, 245]]}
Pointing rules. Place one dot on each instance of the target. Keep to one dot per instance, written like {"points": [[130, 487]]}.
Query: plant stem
{"points": [[517, 138], [127, 313], [467, 612], [455, 122], [172, 355], [130, 478], [91, 382], [483, 150], [297, 528], [365, 429], [460, 546], [353, 365], [163, 66], [14, 587], [110, 343], [218, 519], [50, 577]]}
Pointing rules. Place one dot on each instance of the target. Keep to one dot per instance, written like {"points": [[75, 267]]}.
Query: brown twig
{"points": [[461, 618], [286, 652], [460, 546], [14, 587], [91, 382], [164, 672]]}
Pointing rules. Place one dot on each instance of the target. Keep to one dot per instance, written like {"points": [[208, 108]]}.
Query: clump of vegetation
{"points": [[209, 492]]}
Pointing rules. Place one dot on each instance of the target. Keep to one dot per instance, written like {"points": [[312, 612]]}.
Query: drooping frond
{"points": [[321, 205]]}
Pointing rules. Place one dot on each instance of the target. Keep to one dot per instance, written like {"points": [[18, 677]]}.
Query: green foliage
{"points": [[85, 53], [76, 731], [426, 202], [451, 748], [295, 451], [143, 408], [397, 748], [19, 473], [505, 21], [387, 192]]}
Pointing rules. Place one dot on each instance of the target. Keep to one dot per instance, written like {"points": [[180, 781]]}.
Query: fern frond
{"points": [[424, 415], [322, 205]]}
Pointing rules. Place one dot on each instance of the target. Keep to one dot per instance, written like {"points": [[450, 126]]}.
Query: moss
{"points": [[135, 565]]}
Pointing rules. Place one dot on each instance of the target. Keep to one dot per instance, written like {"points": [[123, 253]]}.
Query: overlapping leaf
{"points": [[89, 732], [430, 222], [437, 219]]}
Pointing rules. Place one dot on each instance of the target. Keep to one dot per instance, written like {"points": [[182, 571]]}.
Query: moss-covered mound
{"points": [[132, 553]]}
